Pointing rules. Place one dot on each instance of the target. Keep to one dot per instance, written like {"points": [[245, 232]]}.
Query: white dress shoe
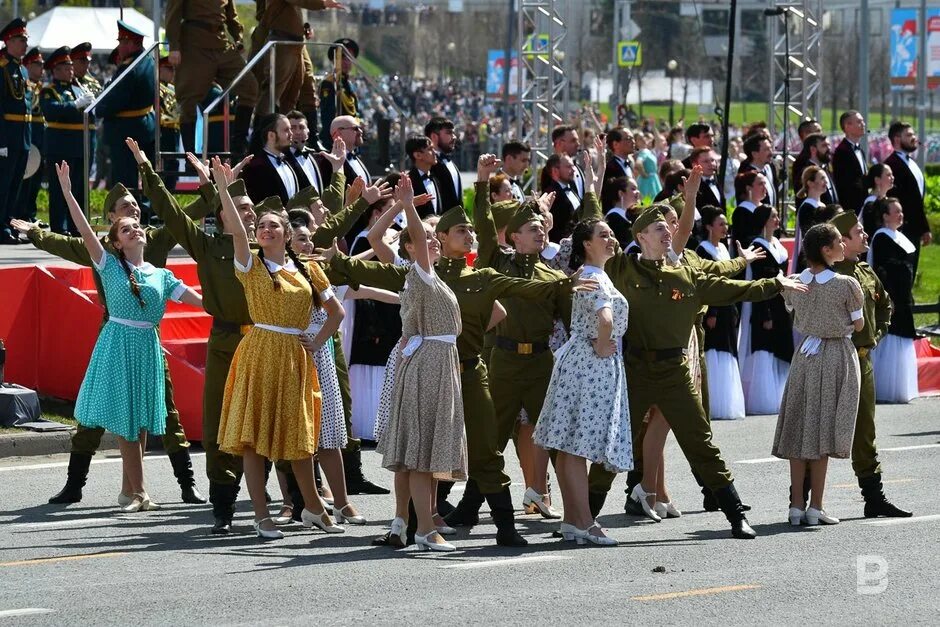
{"points": [[567, 531], [341, 517], [400, 528], [322, 522], [442, 527], [584, 535], [148, 505], [285, 517], [666, 510], [124, 499], [268, 534], [819, 516], [136, 504], [639, 495], [796, 516], [534, 502], [426, 544]]}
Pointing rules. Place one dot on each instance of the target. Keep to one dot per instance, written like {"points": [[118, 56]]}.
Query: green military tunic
{"points": [[876, 311], [476, 291], [159, 243], [666, 303], [521, 361], [224, 299]]}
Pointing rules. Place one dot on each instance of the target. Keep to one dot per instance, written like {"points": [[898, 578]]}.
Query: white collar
{"points": [[776, 249], [871, 198], [145, 267], [589, 269], [273, 267], [811, 201], [719, 252], [747, 204], [620, 211], [550, 251], [898, 237], [807, 277]]}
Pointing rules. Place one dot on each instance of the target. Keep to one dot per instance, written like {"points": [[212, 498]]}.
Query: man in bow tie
{"points": [[909, 185], [621, 145], [565, 141], [441, 133], [758, 149], [517, 157], [849, 163], [698, 135], [269, 173], [311, 169], [558, 177], [422, 155]]}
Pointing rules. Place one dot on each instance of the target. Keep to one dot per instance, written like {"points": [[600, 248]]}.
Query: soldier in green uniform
{"points": [[127, 111], [876, 310], [33, 62], [521, 361], [205, 40], [118, 204], [62, 104], [476, 291], [169, 122], [15, 132], [333, 105]]}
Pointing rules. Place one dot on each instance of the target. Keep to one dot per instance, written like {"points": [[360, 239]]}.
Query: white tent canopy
{"points": [[68, 26]]}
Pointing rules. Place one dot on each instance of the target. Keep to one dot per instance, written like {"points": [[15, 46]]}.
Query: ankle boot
{"points": [[223, 496], [412, 527], [183, 471], [356, 482], [75, 480], [467, 512], [238, 145], [504, 517], [876, 504], [731, 505], [443, 491], [596, 501], [297, 499]]}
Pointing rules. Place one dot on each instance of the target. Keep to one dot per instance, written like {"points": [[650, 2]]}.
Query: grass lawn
{"points": [[53, 409], [927, 285]]}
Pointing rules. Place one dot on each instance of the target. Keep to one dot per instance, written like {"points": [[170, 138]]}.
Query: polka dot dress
{"points": [[332, 421]]}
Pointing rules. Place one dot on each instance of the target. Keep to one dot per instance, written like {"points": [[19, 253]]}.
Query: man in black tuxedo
{"points": [[621, 146], [517, 157], [268, 173], [909, 186], [440, 131], [758, 151], [698, 135], [565, 141], [423, 158], [709, 192], [350, 130], [817, 152], [309, 166], [559, 175], [849, 165]]}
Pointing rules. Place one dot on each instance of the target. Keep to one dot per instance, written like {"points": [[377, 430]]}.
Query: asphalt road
{"points": [[88, 563]]}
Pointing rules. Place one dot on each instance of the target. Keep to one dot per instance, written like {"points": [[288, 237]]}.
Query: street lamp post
{"points": [[671, 67]]}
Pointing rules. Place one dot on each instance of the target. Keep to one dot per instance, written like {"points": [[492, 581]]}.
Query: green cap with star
{"points": [[502, 211], [451, 218], [844, 221], [650, 216], [117, 192]]}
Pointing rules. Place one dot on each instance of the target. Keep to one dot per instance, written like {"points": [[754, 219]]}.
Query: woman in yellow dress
{"points": [[271, 406]]}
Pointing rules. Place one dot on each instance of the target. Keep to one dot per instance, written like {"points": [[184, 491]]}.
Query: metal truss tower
{"points": [[796, 45]]}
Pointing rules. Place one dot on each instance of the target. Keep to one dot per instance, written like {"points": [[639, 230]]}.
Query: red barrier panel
{"points": [[19, 325], [928, 367]]}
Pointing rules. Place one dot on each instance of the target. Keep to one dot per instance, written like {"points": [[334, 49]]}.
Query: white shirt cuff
{"points": [[856, 315], [243, 269], [427, 278], [178, 291], [101, 263], [326, 295]]}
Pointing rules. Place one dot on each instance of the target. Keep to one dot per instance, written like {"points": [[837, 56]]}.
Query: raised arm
{"points": [[223, 176], [62, 246], [354, 272], [597, 171], [687, 219], [415, 227], [335, 192], [89, 237], [483, 224], [380, 248]]}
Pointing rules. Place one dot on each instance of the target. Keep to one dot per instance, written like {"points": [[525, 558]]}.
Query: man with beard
{"points": [[909, 186], [560, 172], [565, 141], [268, 173], [817, 152], [441, 133], [849, 165]]}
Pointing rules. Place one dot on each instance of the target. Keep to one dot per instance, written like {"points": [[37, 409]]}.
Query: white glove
{"points": [[83, 101], [4, 152]]}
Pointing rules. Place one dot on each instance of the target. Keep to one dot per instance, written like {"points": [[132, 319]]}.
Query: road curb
{"points": [[31, 443]]}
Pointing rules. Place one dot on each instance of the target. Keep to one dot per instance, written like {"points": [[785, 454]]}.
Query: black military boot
{"points": [[504, 517], [238, 145], [223, 496], [632, 507], [731, 505], [75, 480], [875, 502], [183, 471], [596, 501], [356, 482], [443, 491], [297, 499], [467, 512]]}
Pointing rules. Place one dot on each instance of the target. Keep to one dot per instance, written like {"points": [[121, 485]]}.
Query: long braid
{"points": [[273, 275], [135, 287], [302, 268]]}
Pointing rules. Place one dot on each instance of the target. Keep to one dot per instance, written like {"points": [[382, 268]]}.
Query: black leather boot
{"points": [[876, 504], [467, 512], [297, 499], [183, 471], [504, 517], [443, 491], [356, 482], [238, 145], [596, 501], [632, 507], [733, 509], [223, 496], [74, 481]]}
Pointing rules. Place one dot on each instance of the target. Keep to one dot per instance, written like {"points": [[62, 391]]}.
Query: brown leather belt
{"points": [[520, 348], [863, 351], [280, 35], [658, 355]]}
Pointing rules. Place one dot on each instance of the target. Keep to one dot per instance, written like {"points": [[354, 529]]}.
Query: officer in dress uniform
{"points": [[81, 59], [348, 102], [169, 121], [876, 310], [63, 102], [15, 134], [127, 111], [205, 40], [33, 63]]}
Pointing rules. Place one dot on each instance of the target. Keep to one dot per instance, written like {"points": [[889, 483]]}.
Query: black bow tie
{"points": [[515, 182], [425, 177], [443, 158], [277, 158], [709, 181]]}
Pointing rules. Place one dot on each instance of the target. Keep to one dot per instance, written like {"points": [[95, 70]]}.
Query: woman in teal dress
{"points": [[647, 169], [123, 390]]}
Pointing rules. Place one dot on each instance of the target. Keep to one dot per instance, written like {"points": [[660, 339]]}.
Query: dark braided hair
{"points": [[583, 231], [125, 265], [302, 268]]}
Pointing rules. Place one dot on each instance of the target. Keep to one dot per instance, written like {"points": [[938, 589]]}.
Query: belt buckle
{"points": [[863, 352], [245, 328], [524, 348]]}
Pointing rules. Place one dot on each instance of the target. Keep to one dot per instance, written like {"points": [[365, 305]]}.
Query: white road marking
{"points": [[910, 448], [59, 524], [26, 611], [887, 522], [109, 460], [767, 460], [760, 460], [512, 561]]}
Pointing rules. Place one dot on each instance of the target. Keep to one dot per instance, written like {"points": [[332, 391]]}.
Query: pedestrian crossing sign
{"points": [[629, 54]]}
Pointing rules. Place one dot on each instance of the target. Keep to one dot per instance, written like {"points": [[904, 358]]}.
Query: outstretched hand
{"points": [[691, 184], [222, 173], [62, 171], [405, 191], [22, 225], [546, 201], [139, 156], [377, 192], [580, 284], [326, 254], [202, 170], [789, 284], [337, 156], [238, 167], [750, 254], [355, 189]]}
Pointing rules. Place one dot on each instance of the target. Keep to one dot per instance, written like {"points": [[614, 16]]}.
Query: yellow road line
{"points": [[695, 593], [855, 485], [67, 558]]}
